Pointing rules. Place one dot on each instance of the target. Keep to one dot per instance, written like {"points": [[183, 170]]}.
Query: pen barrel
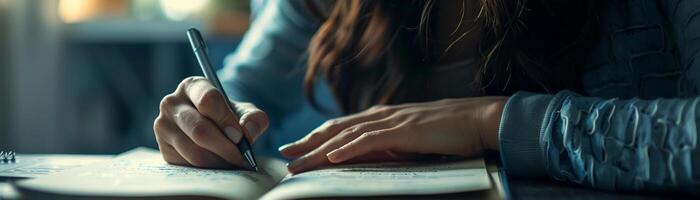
{"points": [[200, 51]]}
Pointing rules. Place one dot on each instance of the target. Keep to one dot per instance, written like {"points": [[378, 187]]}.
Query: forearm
{"points": [[266, 68], [491, 114]]}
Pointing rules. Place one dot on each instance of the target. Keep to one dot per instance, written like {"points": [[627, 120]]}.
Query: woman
{"points": [[602, 94]]}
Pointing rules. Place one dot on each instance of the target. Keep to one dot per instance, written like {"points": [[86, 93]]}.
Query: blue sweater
{"points": [[636, 129]]}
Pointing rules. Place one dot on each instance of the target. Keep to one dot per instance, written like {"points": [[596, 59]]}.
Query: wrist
{"points": [[492, 114]]}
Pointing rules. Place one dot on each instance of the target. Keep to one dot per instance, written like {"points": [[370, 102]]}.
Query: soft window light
{"points": [[180, 9]]}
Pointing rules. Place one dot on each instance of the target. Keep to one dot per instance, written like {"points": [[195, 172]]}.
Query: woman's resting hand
{"points": [[464, 127]]}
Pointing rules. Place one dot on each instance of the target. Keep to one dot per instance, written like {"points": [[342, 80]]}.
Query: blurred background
{"points": [[86, 76]]}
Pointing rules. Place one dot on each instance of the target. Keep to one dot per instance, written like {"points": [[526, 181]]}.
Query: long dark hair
{"points": [[376, 46]]}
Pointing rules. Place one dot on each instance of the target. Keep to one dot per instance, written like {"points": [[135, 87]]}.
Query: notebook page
{"points": [[37, 165], [385, 179], [143, 173]]}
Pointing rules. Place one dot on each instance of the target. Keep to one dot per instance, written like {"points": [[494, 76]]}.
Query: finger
{"points": [[169, 135], [205, 134], [254, 120], [163, 129], [381, 140], [317, 157], [324, 132], [170, 155], [212, 104], [195, 155], [185, 148]]}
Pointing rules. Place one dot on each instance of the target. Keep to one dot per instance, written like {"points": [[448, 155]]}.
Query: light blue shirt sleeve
{"points": [[268, 66], [268, 70]]}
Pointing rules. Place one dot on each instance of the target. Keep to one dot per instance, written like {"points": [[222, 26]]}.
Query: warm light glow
{"points": [[71, 11], [180, 9]]}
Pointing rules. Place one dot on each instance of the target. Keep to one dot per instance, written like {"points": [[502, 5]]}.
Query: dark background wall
{"points": [[4, 87], [88, 78]]}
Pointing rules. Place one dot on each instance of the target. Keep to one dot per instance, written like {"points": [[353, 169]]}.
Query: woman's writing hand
{"points": [[196, 128], [464, 127]]}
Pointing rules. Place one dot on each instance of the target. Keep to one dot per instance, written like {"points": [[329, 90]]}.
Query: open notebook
{"points": [[142, 173]]}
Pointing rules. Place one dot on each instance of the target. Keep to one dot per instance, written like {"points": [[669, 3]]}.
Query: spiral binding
{"points": [[7, 157]]}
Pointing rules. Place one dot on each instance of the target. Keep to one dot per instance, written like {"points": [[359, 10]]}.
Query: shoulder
{"points": [[305, 13]]}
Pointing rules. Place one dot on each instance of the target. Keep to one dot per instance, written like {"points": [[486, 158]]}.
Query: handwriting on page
{"points": [[138, 166], [394, 173], [151, 168], [142, 172]]}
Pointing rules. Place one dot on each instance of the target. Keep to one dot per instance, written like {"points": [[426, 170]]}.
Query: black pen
{"points": [[200, 51]]}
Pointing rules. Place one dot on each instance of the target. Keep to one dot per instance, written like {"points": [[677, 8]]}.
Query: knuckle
{"points": [[167, 102], [316, 135], [354, 130], [186, 116], [349, 134], [332, 123], [159, 125], [187, 82], [209, 99], [371, 136], [200, 131]]}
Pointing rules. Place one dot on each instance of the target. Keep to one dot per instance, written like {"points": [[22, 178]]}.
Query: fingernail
{"points": [[284, 147], [334, 156], [253, 129], [233, 134]]}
